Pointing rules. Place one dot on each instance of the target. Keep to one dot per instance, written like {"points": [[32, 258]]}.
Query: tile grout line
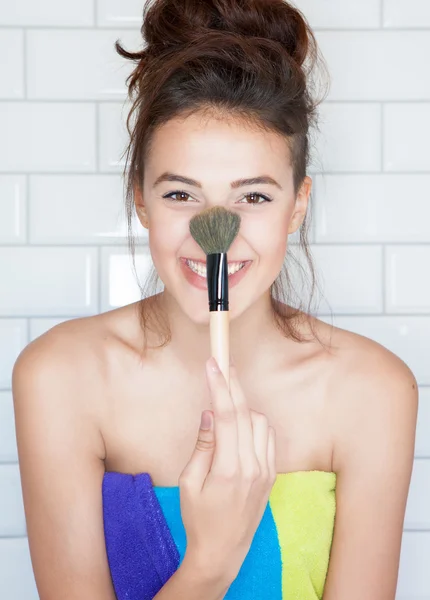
{"points": [[24, 66], [371, 30], [117, 99], [27, 244], [134, 25], [121, 99], [314, 211], [336, 315], [122, 243], [28, 329], [67, 173], [384, 277], [27, 210], [310, 173], [99, 279], [10, 463], [99, 252], [97, 136], [382, 132]]}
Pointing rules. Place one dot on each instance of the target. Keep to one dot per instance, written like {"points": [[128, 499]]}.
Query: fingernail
{"points": [[213, 365], [206, 420]]}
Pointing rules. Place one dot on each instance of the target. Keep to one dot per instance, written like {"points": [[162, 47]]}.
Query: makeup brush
{"points": [[215, 229]]}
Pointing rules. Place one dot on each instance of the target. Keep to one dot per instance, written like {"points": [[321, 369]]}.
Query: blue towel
{"points": [[141, 551], [288, 558]]}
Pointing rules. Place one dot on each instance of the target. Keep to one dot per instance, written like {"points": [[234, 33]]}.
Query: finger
{"points": [[246, 448], [225, 460], [261, 433], [198, 467]]}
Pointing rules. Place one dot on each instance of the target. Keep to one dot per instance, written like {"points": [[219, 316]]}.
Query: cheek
{"points": [[167, 232], [166, 236], [268, 236], [160, 243]]}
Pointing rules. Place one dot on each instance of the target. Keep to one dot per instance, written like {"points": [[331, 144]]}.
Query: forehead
{"points": [[200, 143]]}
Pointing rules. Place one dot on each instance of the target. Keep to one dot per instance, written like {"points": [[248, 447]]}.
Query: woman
{"points": [[222, 109]]}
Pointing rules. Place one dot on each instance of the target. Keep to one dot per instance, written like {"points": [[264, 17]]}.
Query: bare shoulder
{"points": [[57, 374], [374, 395], [77, 346], [67, 350], [74, 356], [81, 333], [355, 353], [57, 387], [373, 412]]}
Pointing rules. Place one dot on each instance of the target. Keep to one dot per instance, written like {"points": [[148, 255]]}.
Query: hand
{"points": [[225, 487]]}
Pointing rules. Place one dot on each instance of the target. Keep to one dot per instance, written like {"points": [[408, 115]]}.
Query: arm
{"points": [[56, 392], [192, 583], [374, 452], [60, 458]]}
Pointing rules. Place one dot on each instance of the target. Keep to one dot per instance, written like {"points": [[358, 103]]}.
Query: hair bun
{"points": [[172, 23]]}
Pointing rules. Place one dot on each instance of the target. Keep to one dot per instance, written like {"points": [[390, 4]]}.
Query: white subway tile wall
{"points": [[63, 233], [422, 445], [405, 133], [113, 137], [371, 208], [16, 576], [338, 14], [8, 449], [12, 520], [414, 14], [12, 69], [376, 65], [414, 560], [124, 13], [45, 280], [13, 209], [88, 70], [85, 209], [47, 136], [350, 138], [39, 326], [13, 338], [47, 13]]}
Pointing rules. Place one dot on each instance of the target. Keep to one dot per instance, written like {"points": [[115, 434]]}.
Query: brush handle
{"points": [[220, 340]]}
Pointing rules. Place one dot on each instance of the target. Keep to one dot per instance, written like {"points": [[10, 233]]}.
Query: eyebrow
{"points": [[234, 185]]}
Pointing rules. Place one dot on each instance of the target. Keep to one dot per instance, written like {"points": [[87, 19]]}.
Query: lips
{"points": [[203, 262], [201, 282]]}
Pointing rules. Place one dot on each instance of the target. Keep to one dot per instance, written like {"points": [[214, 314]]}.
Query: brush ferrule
{"points": [[217, 278]]}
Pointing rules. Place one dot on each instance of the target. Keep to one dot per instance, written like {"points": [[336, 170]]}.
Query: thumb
{"points": [[201, 459]]}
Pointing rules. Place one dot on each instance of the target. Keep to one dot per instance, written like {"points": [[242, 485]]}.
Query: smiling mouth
{"points": [[199, 267]]}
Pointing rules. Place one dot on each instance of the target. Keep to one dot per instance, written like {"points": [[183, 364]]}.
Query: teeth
{"points": [[200, 268]]}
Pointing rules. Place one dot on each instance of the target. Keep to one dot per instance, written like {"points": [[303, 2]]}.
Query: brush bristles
{"points": [[215, 229]]}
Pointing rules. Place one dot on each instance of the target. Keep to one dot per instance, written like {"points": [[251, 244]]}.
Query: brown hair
{"points": [[248, 59]]}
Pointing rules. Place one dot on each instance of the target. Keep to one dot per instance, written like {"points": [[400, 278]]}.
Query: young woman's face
{"points": [[195, 164]]}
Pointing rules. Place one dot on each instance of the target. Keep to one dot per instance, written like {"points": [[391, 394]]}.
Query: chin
{"points": [[198, 310]]}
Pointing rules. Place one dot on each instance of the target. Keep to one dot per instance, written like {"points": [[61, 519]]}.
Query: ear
{"points": [[301, 205], [140, 206]]}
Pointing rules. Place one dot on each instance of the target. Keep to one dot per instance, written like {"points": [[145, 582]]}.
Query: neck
{"points": [[254, 336]]}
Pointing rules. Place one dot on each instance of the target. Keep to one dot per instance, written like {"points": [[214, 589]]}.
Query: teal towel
{"points": [[288, 557]]}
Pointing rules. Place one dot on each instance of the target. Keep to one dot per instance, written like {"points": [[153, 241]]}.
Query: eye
{"points": [[176, 193], [255, 195], [183, 200]]}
